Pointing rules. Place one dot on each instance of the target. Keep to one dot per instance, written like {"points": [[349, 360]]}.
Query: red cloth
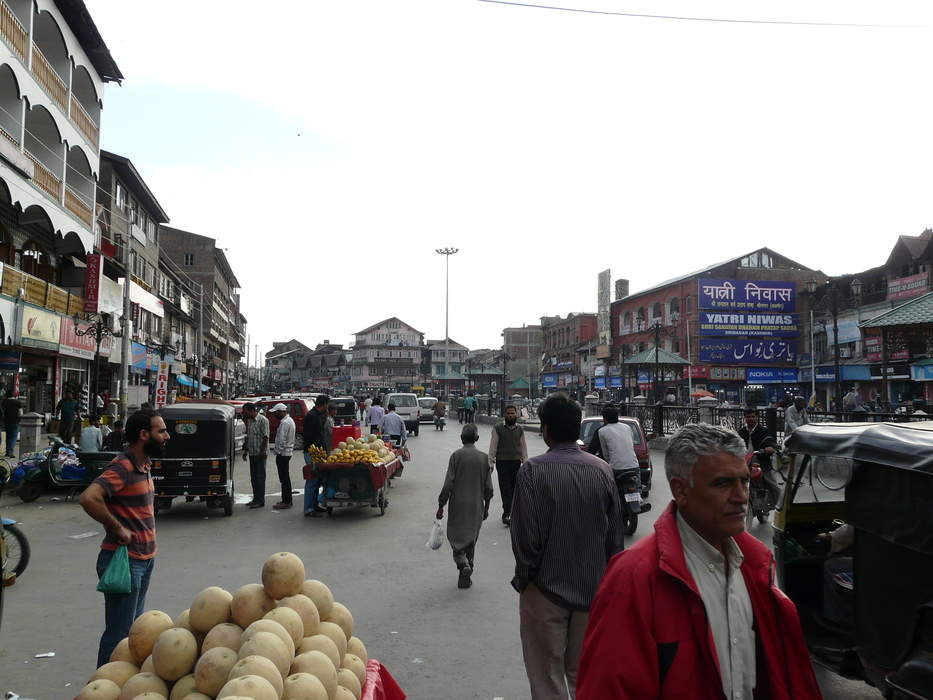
{"points": [[648, 635], [380, 685]]}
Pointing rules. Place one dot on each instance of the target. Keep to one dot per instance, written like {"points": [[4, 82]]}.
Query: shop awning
{"points": [[914, 312], [647, 357], [185, 380], [519, 384]]}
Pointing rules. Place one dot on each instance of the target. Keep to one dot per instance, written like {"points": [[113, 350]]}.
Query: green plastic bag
{"points": [[116, 577]]}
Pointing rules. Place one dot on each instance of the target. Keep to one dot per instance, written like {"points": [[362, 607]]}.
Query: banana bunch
{"points": [[317, 454]]}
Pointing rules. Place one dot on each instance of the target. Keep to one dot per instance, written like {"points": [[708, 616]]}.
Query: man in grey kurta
{"points": [[468, 489]]}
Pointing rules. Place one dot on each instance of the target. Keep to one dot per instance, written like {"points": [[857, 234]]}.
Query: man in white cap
{"points": [[284, 444]]}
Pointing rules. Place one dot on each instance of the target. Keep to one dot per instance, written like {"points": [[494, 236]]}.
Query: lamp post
{"points": [[657, 360], [831, 295], [98, 330], [446, 252]]}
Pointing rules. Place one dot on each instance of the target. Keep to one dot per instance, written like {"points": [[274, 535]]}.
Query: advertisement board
{"points": [[39, 328], [748, 351], [549, 380], [696, 372], [615, 381], [602, 308], [747, 295], [727, 374], [771, 375], [83, 346], [908, 287], [599, 383], [9, 361], [742, 323], [92, 275], [873, 350], [161, 393]]}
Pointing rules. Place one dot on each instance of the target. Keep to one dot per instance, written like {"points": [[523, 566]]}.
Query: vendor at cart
{"points": [[393, 426], [317, 431]]}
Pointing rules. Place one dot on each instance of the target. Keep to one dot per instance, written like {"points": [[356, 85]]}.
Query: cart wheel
{"points": [[228, 505], [383, 501], [17, 550], [29, 491]]}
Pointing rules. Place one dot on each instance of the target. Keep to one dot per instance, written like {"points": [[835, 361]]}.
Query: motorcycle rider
{"points": [[758, 439], [613, 441]]}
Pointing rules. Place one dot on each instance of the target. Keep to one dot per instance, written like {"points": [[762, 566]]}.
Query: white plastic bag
{"points": [[436, 538]]}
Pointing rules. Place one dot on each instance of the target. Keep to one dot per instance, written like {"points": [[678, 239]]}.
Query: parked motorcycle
{"points": [[628, 481], [17, 550], [60, 466]]}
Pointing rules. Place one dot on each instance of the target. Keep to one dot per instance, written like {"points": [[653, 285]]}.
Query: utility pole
{"points": [[125, 358], [197, 379], [446, 252]]}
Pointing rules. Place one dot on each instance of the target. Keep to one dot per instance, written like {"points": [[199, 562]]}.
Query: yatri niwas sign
{"points": [[748, 351], [747, 295], [722, 323]]}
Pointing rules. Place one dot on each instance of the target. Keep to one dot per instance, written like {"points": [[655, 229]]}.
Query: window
{"points": [[150, 229], [688, 304], [189, 259], [121, 197]]}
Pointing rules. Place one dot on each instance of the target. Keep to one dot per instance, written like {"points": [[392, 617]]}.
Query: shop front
{"points": [[76, 364], [727, 383], [780, 383], [38, 333], [901, 386], [549, 382]]}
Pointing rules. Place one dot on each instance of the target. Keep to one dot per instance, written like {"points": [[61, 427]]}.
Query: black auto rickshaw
{"points": [[878, 479], [199, 456], [347, 410]]}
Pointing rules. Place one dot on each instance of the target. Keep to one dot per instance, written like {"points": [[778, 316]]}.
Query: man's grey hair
{"points": [[697, 440], [470, 433]]}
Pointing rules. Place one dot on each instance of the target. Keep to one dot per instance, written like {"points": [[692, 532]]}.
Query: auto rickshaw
{"points": [[878, 479], [199, 456]]}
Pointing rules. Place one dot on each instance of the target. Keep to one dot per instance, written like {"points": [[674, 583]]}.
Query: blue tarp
{"points": [[185, 380]]}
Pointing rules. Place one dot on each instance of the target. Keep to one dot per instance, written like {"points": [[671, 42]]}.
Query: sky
{"points": [[330, 146]]}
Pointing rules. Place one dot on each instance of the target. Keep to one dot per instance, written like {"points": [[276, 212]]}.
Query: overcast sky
{"points": [[331, 145]]}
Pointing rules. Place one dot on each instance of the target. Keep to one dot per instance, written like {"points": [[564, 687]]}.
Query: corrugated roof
{"points": [[911, 313], [646, 357]]}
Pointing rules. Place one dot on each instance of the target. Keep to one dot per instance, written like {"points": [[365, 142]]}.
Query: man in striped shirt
{"points": [[566, 525], [121, 499]]}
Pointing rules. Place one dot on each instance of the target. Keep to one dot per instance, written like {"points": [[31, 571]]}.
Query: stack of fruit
{"points": [[317, 454], [370, 449], [283, 639]]}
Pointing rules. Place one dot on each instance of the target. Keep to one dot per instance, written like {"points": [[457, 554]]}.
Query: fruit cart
{"points": [[355, 485]]}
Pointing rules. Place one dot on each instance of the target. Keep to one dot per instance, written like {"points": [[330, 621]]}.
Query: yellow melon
{"points": [[282, 575], [210, 608], [355, 646], [143, 683], [225, 634], [272, 627], [197, 696], [149, 696], [322, 643], [355, 664], [343, 694], [254, 687], [183, 620], [249, 604], [121, 652], [101, 689], [268, 645], [147, 666], [258, 666], [340, 615], [213, 670], [335, 632], [174, 653], [183, 687], [290, 620], [347, 679], [145, 631], [306, 609], [304, 686], [320, 595], [318, 665], [117, 671]]}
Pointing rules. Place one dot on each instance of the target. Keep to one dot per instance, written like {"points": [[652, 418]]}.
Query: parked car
{"points": [[297, 409], [426, 404], [406, 405], [588, 429]]}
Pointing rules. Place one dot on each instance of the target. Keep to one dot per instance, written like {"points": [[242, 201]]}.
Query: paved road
{"points": [[439, 642]]}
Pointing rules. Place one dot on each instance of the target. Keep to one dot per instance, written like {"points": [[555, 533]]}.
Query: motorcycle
{"points": [[58, 466], [628, 481], [439, 422], [17, 551], [759, 498]]}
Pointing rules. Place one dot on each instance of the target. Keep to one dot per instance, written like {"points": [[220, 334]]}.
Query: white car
{"points": [[426, 404], [406, 405]]}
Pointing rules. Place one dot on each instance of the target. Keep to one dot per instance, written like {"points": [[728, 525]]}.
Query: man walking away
{"points": [[12, 413], [92, 439], [566, 525], [692, 610], [284, 445], [507, 452], [117, 437], [374, 415], [795, 416], [256, 450], [468, 489], [121, 499], [469, 408], [613, 442], [317, 431], [394, 426], [67, 410]]}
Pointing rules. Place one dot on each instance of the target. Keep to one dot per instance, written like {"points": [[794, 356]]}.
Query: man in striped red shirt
{"points": [[122, 500]]}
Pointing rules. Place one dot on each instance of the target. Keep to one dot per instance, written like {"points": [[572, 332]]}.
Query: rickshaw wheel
{"points": [[629, 523], [29, 491], [228, 505]]}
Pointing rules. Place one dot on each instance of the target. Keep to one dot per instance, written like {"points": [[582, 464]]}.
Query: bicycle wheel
{"points": [[17, 550], [834, 473]]}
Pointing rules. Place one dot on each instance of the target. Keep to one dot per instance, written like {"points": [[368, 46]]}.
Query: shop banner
{"points": [[39, 328], [770, 375], [721, 323], [908, 287], [161, 394], [9, 361], [83, 346], [727, 374], [748, 351], [92, 276], [696, 372], [921, 373], [900, 370], [7, 322], [747, 295], [849, 332], [615, 381], [823, 374], [873, 350], [599, 383]]}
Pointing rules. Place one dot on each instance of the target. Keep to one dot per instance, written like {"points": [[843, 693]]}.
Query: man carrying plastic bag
{"points": [[468, 489]]}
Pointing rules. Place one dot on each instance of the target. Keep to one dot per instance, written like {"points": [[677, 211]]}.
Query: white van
{"points": [[406, 405]]}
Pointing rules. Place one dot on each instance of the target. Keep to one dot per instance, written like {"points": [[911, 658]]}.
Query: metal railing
{"points": [[77, 206], [49, 79], [13, 31], [81, 119]]}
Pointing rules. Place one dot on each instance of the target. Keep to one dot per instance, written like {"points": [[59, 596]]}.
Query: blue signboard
{"points": [[747, 295], [615, 381], [9, 361], [748, 351], [771, 375], [599, 382], [644, 377], [549, 380], [823, 374], [743, 323], [921, 373]]}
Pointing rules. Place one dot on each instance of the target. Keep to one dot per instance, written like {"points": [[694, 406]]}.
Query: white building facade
{"points": [[387, 354]]}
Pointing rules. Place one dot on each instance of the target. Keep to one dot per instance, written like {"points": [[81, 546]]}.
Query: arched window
{"points": [[673, 305], [656, 310]]}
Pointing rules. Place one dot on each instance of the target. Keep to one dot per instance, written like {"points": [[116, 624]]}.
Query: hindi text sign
{"points": [[747, 295]]}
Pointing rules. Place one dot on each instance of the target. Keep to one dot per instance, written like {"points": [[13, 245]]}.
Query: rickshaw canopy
{"points": [[897, 445]]}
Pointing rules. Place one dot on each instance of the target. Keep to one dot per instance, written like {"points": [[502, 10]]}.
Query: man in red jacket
{"points": [[692, 611]]}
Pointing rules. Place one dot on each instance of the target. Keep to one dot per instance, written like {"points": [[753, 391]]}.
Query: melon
{"points": [[210, 608], [213, 670], [268, 645], [249, 604], [306, 609], [322, 643], [183, 687], [290, 620], [304, 686], [143, 683], [254, 687], [183, 620], [282, 575], [335, 632], [272, 627], [343, 694], [318, 665], [121, 652], [174, 653], [147, 666], [340, 615], [101, 689], [355, 646], [117, 671], [149, 695], [347, 679], [320, 595], [258, 666], [225, 634], [355, 663], [145, 631], [197, 696]]}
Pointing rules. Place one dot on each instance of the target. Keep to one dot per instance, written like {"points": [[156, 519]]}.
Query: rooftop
{"points": [[911, 313]]}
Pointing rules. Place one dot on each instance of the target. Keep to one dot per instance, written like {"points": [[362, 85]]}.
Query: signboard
{"points": [[602, 309], [9, 361], [873, 350], [771, 375], [747, 295], [727, 374], [161, 393], [823, 374], [615, 381], [921, 373], [599, 383], [696, 372], [603, 352], [39, 328], [748, 351], [908, 287], [599, 371], [549, 380], [83, 346], [901, 370], [849, 332], [726, 323], [92, 275]]}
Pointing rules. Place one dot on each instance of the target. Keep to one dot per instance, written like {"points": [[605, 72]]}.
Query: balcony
{"points": [[45, 179], [81, 119], [49, 79], [77, 206], [13, 31], [40, 292]]}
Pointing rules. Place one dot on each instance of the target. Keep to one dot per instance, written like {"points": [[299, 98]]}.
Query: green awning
{"points": [[911, 313], [519, 384], [647, 357]]}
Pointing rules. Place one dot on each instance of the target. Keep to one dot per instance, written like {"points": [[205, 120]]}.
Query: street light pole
{"points": [[657, 360], [98, 330], [446, 252]]}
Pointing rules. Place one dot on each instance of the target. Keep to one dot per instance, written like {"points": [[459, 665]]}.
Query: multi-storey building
{"points": [[386, 355], [285, 363], [525, 346], [561, 337], [454, 380], [223, 332]]}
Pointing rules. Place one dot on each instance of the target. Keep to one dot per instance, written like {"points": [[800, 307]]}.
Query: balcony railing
{"points": [[45, 179], [83, 121], [49, 79], [77, 206], [9, 137], [40, 292], [13, 31]]}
